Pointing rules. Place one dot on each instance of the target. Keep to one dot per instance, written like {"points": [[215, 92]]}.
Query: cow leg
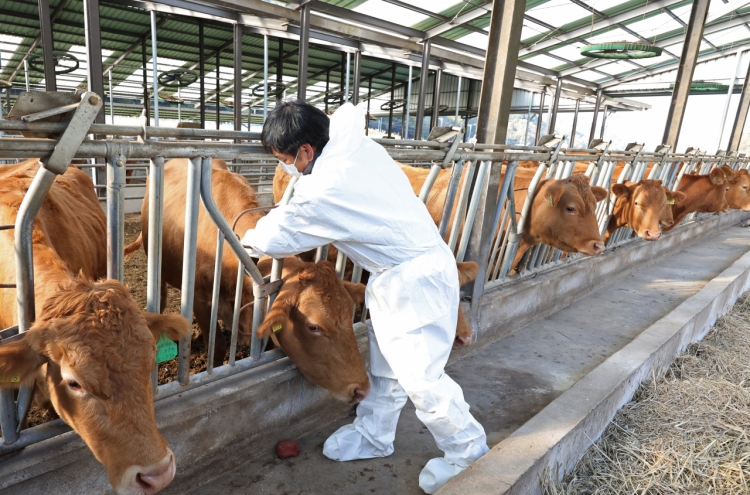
{"points": [[523, 246], [202, 311]]}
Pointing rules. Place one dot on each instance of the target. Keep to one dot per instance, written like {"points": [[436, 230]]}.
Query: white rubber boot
{"points": [[436, 473]]}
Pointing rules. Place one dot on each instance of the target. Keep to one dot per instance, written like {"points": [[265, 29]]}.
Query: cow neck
{"points": [[50, 273], [694, 200]]}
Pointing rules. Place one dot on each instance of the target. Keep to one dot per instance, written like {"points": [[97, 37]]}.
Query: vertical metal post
{"points": [[458, 99], [155, 227], [155, 68], [407, 107], [540, 116], [492, 127], [597, 106], [423, 76], [238, 78], [688, 59], [144, 64], [304, 50], [741, 115], [328, 90], [393, 96], [116, 218], [436, 98], [729, 99], [555, 106], [48, 46], [218, 90], [604, 122], [346, 90], [575, 124], [111, 100], [202, 73], [280, 70], [369, 98], [358, 76], [188, 262], [94, 70], [265, 80], [528, 119], [26, 72]]}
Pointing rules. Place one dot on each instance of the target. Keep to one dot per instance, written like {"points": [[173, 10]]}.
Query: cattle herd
{"points": [[91, 351]]}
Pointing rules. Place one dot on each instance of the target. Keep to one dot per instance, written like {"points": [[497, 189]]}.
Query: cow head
{"points": [[312, 319], [95, 350], [738, 194], [645, 207], [467, 271], [563, 215], [709, 190]]}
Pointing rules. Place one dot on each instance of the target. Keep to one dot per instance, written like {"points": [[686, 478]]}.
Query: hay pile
{"points": [[685, 433]]}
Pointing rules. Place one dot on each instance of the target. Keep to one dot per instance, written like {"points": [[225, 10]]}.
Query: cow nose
{"points": [[598, 247], [158, 476], [651, 236], [462, 341], [360, 394]]}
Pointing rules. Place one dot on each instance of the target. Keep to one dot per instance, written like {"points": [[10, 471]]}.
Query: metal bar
{"points": [[192, 203], [218, 90], [48, 46], [8, 416], [604, 122], [256, 345], [357, 79], [575, 124], [393, 97], [688, 60], [265, 80], [111, 100], [423, 76], [238, 78], [435, 119], [741, 116], [116, 218], [340, 265], [555, 106], [94, 71], [458, 100], [280, 70], [473, 207], [144, 64], [304, 51], [236, 314], [26, 72], [463, 201], [155, 228], [540, 117], [597, 106], [346, 85], [202, 73], [155, 68], [450, 197], [215, 302], [321, 253], [728, 99], [407, 107]]}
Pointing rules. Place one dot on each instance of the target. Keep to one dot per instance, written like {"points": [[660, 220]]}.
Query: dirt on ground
{"points": [[684, 433]]}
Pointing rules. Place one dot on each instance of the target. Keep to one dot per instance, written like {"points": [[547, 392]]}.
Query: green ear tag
{"points": [[716, 179], [12, 379], [165, 349], [670, 201], [550, 201], [276, 327]]}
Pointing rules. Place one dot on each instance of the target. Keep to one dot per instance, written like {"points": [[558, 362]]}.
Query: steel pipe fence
{"points": [[466, 164]]}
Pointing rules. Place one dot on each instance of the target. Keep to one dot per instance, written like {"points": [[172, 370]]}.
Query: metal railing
{"points": [[471, 179]]}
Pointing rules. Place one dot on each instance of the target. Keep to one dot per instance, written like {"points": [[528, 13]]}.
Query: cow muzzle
{"points": [[592, 248], [651, 235], [148, 480]]}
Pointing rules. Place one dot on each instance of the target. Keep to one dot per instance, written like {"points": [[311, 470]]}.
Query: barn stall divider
{"points": [[484, 227]]}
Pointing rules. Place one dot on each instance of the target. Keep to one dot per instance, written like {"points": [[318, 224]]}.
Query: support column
{"points": [[492, 127], [423, 76], [436, 98], [690, 49], [741, 116], [155, 68], [48, 46], [94, 69], [604, 122], [393, 96], [357, 77], [728, 99], [218, 90], [238, 78], [280, 71], [144, 63], [597, 106], [202, 73], [540, 116], [304, 50], [575, 124], [555, 106]]}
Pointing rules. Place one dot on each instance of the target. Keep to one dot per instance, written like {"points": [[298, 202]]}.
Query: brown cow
{"points": [[738, 196], [345, 375], [703, 193], [91, 350], [645, 207]]}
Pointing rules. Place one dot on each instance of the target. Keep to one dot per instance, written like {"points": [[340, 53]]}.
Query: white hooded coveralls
{"points": [[359, 199]]}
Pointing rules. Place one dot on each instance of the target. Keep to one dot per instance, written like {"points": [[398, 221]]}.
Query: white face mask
{"points": [[291, 169]]}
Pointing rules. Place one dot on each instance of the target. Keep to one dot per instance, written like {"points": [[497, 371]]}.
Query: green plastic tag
{"points": [[12, 379], [165, 349]]}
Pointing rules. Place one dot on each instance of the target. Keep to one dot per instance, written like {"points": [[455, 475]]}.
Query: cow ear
{"points": [[18, 362], [674, 196], [718, 176], [599, 193], [175, 326], [356, 291], [278, 318], [621, 190], [467, 271], [742, 171]]}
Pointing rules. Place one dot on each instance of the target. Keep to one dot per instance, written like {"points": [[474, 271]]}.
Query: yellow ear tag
{"points": [[550, 201], [276, 327], [12, 379], [670, 201]]}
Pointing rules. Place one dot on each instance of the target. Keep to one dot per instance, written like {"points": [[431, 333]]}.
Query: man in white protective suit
{"points": [[352, 194]]}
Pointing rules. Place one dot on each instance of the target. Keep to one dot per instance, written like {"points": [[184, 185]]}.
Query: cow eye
{"points": [[635, 203], [315, 329], [570, 209], [74, 386]]}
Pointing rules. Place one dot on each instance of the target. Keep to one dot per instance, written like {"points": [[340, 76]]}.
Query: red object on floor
{"points": [[287, 448]]}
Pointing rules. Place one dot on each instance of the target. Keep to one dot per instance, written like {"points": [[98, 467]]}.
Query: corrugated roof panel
{"points": [[390, 12], [740, 33], [558, 12]]}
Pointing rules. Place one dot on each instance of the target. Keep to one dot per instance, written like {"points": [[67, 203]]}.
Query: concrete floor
{"points": [[506, 382]]}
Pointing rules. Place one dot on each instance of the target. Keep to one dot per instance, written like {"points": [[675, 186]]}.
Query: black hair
{"points": [[294, 123]]}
